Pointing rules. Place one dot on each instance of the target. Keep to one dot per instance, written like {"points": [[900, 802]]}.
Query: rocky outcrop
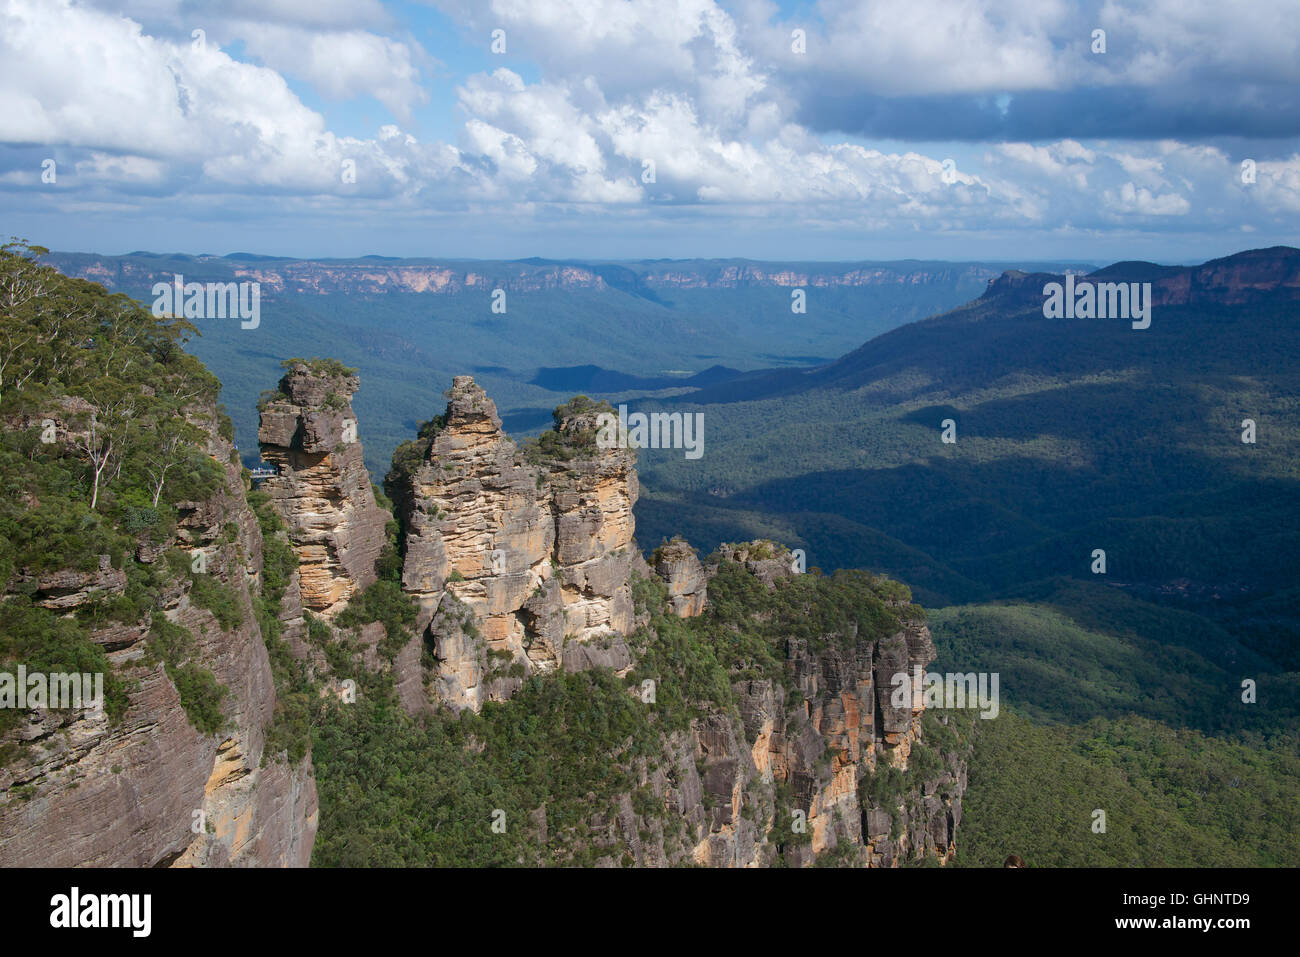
{"points": [[150, 789], [765, 560], [681, 570], [521, 562], [819, 762], [68, 588], [511, 557], [308, 432]]}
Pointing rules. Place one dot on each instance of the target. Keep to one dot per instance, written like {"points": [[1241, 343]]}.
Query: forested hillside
{"points": [[128, 550], [103, 438], [1070, 436]]}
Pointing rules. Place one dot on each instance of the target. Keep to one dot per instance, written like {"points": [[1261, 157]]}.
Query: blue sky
{"points": [[835, 129]]}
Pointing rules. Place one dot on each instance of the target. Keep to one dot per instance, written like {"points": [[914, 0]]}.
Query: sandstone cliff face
{"points": [[323, 490], [520, 562], [810, 759], [510, 560], [680, 568], [811, 747], [85, 791]]}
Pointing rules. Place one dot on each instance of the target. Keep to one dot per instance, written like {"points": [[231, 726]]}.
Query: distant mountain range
{"points": [[370, 275], [409, 325], [1263, 277]]}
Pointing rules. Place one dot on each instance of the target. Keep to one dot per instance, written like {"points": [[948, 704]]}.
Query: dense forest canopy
{"points": [[105, 422]]}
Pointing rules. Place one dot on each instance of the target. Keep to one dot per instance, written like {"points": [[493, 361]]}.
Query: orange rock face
{"points": [[510, 558], [323, 489]]}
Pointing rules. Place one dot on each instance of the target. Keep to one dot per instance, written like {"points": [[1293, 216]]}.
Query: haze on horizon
{"points": [[632, 129]]}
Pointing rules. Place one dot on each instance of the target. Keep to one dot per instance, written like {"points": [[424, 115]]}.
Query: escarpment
{"points": [[513, 554], [731, 712], [184, 773], [821, 756]]}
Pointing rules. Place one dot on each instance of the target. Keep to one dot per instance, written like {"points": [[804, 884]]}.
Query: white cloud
{"points": [[632, 47], [918, 47], [1134, 199], [689, 86], [1277, 185], [342, 65], [121, 169]]}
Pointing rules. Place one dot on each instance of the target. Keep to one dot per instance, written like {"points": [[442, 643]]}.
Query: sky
{"points": [[1166, 130]]}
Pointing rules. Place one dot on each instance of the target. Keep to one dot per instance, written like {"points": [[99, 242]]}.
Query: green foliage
{"points": [[782, 832], [269, 397], [210, 592], [1087, 722], [883, 788], [331, 368], [200, 692], [317, 630], [384, 602], [1056, 670], [225, 425], [397, 791], [820, 610], [43, 641], [107, 423], [1173, 798], [58, 533], [409, 457], [574, 435], [279, 560], [201, 695], [924, 762], [289, 733]]}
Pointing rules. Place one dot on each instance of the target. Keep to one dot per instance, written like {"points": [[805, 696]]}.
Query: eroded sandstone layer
{"points": [[680, 568], [827, 741], [152, 790], [511, 557], [308, 431], [818, 762]]}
